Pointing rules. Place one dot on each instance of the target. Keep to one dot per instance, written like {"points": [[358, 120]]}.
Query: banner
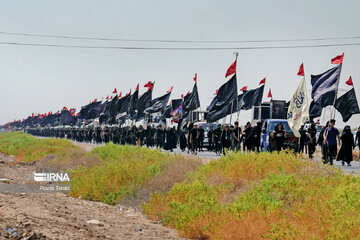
{"points": [[298, 111]]}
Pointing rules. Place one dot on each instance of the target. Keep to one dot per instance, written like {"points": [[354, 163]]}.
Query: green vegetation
{"points": [[262, 196], [239, 196], [121, 172], [28, 148]]}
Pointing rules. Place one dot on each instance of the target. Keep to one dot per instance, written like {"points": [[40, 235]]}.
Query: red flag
{"points": [[115, 91], [129, 93], [137, 88], [107, 98], [244, 89], [338, 59], [65, 108], [95, 100], [195, 78], [120, 95], [216, 92], [149, 85], [262, 81], [350, 82], [231, 69], [301, 70], [182, 95], [270, 94], [170, 89], [111, 97], [187, 93]]}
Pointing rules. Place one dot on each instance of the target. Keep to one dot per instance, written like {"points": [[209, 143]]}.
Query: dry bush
{"points": [[174, 172], [76, 157]]}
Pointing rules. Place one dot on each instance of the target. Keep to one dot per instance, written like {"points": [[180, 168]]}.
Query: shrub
{"points": [[257, 196], [29, 148], [121, 172]]}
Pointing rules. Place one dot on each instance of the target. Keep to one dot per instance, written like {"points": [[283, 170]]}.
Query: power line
{"points": [[176, 41], [176, 48]]}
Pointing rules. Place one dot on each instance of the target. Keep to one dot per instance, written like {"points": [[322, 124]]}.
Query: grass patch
{"points": [[261, 196], [29, 148], [121, 172]]}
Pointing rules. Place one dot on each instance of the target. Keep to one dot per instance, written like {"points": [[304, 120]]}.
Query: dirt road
{"points": [[57, 216]]}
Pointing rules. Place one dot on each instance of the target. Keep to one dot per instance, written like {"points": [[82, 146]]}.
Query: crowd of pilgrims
{"points": [[219, 138]]}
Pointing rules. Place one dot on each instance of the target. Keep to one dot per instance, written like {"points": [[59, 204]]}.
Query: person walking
{"points": [[248, 136], [302, 139], [347, 145], [321, 142], [210, 138], [236, 135], [331, 138], [357, 138], [279, 135], [216, 139], [225, 138], [194, 136], [256, 136], [312, 140], [201, 138]]}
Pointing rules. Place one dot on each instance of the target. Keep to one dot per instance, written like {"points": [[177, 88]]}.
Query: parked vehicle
{"points": [[268, 143]]}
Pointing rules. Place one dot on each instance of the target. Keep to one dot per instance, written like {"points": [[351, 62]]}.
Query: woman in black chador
{"points": [[279, 135], [347, 145]]}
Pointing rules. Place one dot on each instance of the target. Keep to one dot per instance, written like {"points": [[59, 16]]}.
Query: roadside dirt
{"points": [[57, 216]]}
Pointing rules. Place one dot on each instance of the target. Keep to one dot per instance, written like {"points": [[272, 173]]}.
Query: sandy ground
{"points": [[57, 216]]}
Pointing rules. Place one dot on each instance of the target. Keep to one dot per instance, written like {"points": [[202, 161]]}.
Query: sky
{"points": [[42, 79]]}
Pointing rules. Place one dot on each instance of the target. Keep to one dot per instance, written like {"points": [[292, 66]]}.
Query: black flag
{"points": [[125, 104], [87, 111], [215, 115], [324, 89], [113, 106], [133, 103], [175, 103], [251, 98], [158, 104], [144, 102], [191, 101], [347, 105], [226, 94], [167, 112], [66, 117]]}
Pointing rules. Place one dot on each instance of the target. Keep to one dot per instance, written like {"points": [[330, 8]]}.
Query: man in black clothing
{"points": [[357, 138], [216, 139], [194, 138], [210, 138], [236, 135], [302, 139], [226, 138], [159, 137], [256, 134], [201, 138], [312, 137], [248, 136]]}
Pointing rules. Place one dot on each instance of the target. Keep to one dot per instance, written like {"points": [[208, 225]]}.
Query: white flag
{"points": [[298, 111]]}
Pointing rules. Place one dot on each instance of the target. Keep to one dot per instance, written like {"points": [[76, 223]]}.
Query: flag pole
{"points": [[337, 90], [232, 104]]}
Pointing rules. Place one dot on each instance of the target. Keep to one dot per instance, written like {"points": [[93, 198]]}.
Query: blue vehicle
{"points": [[268, 142]]}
